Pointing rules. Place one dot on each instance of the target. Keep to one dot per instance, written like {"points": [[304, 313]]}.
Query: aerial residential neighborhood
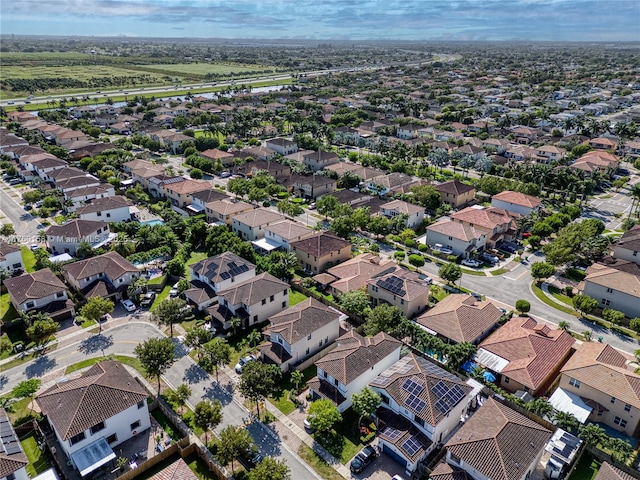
{"points": [[279, 259]]}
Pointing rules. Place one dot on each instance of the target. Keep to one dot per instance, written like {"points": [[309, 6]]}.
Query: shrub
{"points": [[266, 204], [396, 238], [297, 200], [374, 247], [416, 260], [422, 247], [195, 173], [410, 242], [452, 258], [523, 306], [399, 255]]}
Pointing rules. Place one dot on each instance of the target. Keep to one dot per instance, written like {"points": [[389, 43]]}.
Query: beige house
{"points": [[615, 285], [224, 210], [36, 291], [400, 288], [461, 318], [516, 202], [456, 194], [319, 160], [179, 193], [628, 246], [66, 238], [281, 234], [251, 225], [354, 273], [605, 387], [320, 251], [395, 208], [141, 171]]}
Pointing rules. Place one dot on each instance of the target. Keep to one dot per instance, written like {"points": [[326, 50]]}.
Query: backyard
{"points": [[343, 442], [38, 462], [281, 399], [586, 469]]}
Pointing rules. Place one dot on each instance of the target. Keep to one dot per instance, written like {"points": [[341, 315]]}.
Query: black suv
{"points": [[363, 458]]}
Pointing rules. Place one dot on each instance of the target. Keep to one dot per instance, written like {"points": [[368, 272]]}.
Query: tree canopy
{"points": [[156, 356], [323, 414]]}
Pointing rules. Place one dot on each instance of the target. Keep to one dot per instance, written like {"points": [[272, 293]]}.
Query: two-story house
{"points": [[180, 193], [251, 225], [279, 235], [550, 153], [200, 199], [414, 213], [603, 143], [319, 160], [615, 285], [321, 250], [456, 193], [525, 355], [628, 246], [352, 364], [224, 210], [311, 186], [107, 275], [400, 288], [409, 131], [599, 384], [421, 404], [283, 146], [40, 290], [67, 237], [354, 273], [11, 257], [300, 332], [13, 461], [107, 209], [141, 171], [93, 414], [461, 318], [215, 155], [253, 301], [516, 202], [79, 197], [497, 443]]}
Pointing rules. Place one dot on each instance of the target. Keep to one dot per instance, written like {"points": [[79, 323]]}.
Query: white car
{"points": [[242, 362], [467, 262], [128, 305], [174, 291]]}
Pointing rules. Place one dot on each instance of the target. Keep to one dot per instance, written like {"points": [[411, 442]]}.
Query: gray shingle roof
{"points": [[34, 285]]}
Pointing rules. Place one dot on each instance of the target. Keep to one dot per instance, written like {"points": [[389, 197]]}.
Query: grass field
{"points": [[77, 72], [204, 68], [322, 468], [28, 258], [296, 297], [586, 469]]}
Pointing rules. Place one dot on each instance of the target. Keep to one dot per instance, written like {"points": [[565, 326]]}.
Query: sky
{"points": [[491, 20]]}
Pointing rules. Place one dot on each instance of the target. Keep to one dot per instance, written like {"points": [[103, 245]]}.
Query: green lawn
{"points": [[438, 292], [131, 361], [559, 295], [28, 258], [296, 297], [343, 442], [499, 271], [7, 310], [21, 412], [478, 273], [160, 297], [159, 280], [38, 463], [586, 469], [281, 399], [537, 291], [193, 258], [202, 68], [322, 468], [166, 424]]}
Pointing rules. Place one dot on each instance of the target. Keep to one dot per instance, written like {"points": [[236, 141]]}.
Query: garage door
{"points": [[394, 455]]}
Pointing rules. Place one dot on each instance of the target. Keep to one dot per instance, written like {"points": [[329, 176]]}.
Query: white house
{"points": [[400, 288], [13, 461], [300, 332], [79, 197], [319, 160], [628, 246], [280, 234], [282, 145], [414, 213], [253, 301], [459, 237], [615, 286], [352, 364], [11, 257], [107, 209], [36, 290], [103, 408], [423, 397], [516, 202], [66, 238], [106, 275], [222, 271]]}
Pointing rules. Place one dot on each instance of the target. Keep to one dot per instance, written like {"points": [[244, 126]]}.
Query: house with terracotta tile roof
{"points": [[354, 273], [456, 193], [251, 225], [628, 246], [94, 413], [444, 471], [516, 202], [351, 365], [401, 288], [603, 143], [525, 354], [421, 404], [609, 472], [319, 160], [178, 470], [300, 332], [179, 193], [497, 443], [283, 146], [279, 235], [11, 257], [614, 285], [225, 209], [141, 171], [321, 250], [461, 318], [597, 161], [603, 387], [67, 237], [395, 208], [109, 209], [35, 291], [13, 461], [549, 153], [460, 238]]}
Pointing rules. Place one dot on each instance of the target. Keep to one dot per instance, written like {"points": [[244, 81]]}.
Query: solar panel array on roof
{"points": [[391, 433], [234, 269], [382, 380], [434, 370], [402, 366], [411, 446], [449, 399], [392, 284], [415, 403], [411, 386], [440, 389], [8, 441]]}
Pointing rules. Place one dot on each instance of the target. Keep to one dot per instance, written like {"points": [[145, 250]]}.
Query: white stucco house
{"points": [[516, 202], [66, 238], [11, 257], [395, 208], [37, 290], [615, 286], [107, 209]]}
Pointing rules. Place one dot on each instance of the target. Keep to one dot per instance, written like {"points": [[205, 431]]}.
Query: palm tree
{"points": [[84, 250], [254, 338], [566, 421], [634, 192], [235, 324], [620, 449], [297, 377], [540, 407], [564, 325]]}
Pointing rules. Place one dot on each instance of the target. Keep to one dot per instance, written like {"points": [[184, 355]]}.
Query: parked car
{"points": [[34, 246], [443, 249], [174, 291], [312, 206], [128, 305], [28, 207], [362, 459], [147, 299], [468, 262], [250, 459], [489, 258], [225, 174], [475, 295], [307, 425], [242, 362]]}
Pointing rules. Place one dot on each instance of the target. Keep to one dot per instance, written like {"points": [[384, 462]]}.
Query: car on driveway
{"points": [[489, 258], [307, 425], [242, 362], [147, 299], [477, 296], [362, 459], [174, 291], [443, 249], [468, 262], [128, 305]]}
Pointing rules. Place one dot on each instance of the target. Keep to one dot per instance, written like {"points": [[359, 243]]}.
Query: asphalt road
{"points": [[122, 340], [26, 225]]}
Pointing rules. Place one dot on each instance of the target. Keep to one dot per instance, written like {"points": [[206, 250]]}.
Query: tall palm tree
{"points": [[634, 192]]}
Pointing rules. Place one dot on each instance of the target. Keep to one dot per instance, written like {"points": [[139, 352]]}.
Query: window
{"points": [[284, 304], [320, 343], [605, 302], [141, 404], [280, 340], [609, 290], [134, 425], [11, 476], [574, 383], [418, 420], [326, 340], [635, 254], [307, 353], [99, 214], [285, 293], [96, 428], [627, 408], [59, 294], [335, 382], [620, 421], [271, 298], [613, 400], [77, 438], [255, 318], [112, 438], [454, 459], [384, 399], [264, 301], [30, 304], [506, 380], [309, 337]]}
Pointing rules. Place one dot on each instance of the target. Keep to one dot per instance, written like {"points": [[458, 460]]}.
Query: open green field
{"points": [[204, 68], [76, 72]]}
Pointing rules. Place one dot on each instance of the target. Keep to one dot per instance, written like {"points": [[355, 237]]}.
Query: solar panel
{"points": [[415, 403], [439, 389], [382, 380], [442, 406], [391, 433], [12, 448], [411, 446], [411, 386]]}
